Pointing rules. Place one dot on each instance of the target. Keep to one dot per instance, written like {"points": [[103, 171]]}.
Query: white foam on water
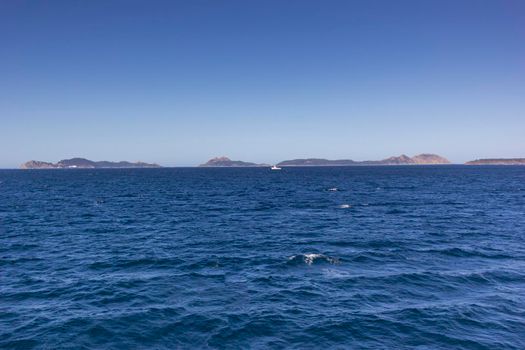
{"points": [[309, 259]]}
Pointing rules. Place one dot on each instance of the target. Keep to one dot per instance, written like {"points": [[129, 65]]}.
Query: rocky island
{"points": [[82, 163], [421, 159], [227, 162], [497, 161]]}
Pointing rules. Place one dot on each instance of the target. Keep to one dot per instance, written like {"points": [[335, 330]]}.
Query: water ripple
{"points": [[361, 258]]}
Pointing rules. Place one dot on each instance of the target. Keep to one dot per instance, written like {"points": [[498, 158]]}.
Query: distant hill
{"points": [[420, 159], [317, 162], [82, 163], [227, 162], [428, 158], [497, 161]]}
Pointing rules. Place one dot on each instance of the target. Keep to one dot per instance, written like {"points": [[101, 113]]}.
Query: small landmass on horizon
{"points": [[497, 161], [227, 162], [421, 159], [82, 163]]}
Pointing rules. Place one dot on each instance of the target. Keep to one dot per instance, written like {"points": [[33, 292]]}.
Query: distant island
{"points": [[227, 162], [218, 162], [420, 159], [497, 161], [82, 163]]}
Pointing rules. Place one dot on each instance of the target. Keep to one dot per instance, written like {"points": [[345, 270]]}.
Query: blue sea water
{"points": [[398, 257]]}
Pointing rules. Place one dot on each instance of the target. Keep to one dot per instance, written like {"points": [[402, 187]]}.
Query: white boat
{"points": [[275, 167]]}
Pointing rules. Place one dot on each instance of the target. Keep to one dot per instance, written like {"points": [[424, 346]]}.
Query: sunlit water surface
{"points": [[427, 257]]}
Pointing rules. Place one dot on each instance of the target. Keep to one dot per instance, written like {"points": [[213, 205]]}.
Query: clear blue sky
{"points": [[177, 82]]}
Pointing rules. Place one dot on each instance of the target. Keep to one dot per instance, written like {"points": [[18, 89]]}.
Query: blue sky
{"points": [[178, 82]]}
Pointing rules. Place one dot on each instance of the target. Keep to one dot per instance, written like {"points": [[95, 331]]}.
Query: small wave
{"points": [[464, 252], [344, 206], [136, 263], [333, 273], [396, 211], [333, 189], [310, 259]]}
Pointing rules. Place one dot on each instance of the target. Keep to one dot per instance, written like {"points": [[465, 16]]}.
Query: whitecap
{"points": [[344, 206], [313, 258]]}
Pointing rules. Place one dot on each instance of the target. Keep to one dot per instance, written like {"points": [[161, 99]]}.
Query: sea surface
{"points": [[391, 257]]}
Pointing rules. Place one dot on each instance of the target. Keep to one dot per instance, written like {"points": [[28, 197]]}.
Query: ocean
{"points": [[386, 257]]}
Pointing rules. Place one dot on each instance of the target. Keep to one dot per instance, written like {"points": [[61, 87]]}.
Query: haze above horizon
{"points": [[179, 82]]}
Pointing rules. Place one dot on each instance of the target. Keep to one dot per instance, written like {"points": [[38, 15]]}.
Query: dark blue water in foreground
{"points": [[398, 257]]}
